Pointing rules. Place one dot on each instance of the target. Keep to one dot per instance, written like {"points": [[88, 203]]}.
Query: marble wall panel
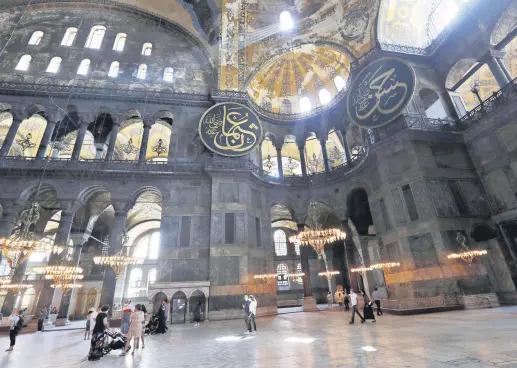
{"points": [[499, 192], [423, 250], [401, 215], [451, 156], [224, 270], [441, 198], [475, 198]]}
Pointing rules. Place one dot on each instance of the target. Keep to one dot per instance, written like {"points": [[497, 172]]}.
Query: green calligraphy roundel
{"points": [[380, 92], [230, 129]]}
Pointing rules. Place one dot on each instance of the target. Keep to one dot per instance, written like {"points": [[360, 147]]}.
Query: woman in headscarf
{"points": [[162, 328], [97, 341], [368, 309]]}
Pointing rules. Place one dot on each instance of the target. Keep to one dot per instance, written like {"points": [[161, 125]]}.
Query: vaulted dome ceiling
{"points": [[282, 83]]}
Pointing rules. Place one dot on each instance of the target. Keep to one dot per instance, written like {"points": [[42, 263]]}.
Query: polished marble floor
{"points": [[482, 338]]}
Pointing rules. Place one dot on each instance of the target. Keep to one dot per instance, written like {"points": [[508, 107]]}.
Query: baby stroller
{"points": [[152, 325], [116, 341]]}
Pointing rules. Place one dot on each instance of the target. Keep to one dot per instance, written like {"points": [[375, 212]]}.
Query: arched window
{"points": [[286, 22], [135, 282], [142, 71], [113, 72], [4, 267], [151, 278], [286, 107], [282, 279], [69, 37], [280, 242], [168, 74], [299, 279], [266, 104], [28, 298], [120, 41], [95, 37], [147, 48], [339, 82], [324, 96], [54, 64], [297, 248], [84, 67], [36, 38], [24, 62], [305, 104], [148, 247]]}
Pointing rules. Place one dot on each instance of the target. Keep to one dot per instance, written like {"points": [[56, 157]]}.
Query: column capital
{"points": [[121, 208], [148, 122]]}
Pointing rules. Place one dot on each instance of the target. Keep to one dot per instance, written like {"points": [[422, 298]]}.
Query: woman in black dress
{"points": [[97, 341], [162, 328], [368, 309]]}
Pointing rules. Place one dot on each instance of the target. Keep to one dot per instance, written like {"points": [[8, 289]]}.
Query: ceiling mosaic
{"points": [[251, 35], [280, 84]]}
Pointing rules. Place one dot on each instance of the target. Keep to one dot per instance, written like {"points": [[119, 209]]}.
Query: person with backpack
{"points": [[16, 326]]}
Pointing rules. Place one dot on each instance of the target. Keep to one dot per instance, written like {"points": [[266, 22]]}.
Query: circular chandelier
{"points": [[275, 275], [117, 262], [328, 274], [64, 277], [16, 288], [318, 238], [377, 266], [467, 255]]}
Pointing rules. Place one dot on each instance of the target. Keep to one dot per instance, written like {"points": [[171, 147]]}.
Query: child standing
{"points": [[88, 325]]}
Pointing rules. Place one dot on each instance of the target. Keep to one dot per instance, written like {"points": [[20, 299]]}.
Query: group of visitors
{"points": [[344, 300], [250, 312]]}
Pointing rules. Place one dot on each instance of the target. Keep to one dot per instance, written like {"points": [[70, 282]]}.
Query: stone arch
{"points": [[157, 300], [164, 115], [483, 232], [458, 70], [91, 191], [146, 189], [358, 210], [27, 194], [505, 25], [178, 307]]}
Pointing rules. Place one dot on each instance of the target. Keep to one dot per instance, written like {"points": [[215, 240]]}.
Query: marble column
{"points": [[9, 138], [10, 213], [81, 133], [279, 162], [303, 165], [342, 137], [115, 243], [47, 135], [496, 70], [112, 141], [145, 142], [309, 301], [65, 224], [323, 143], [503, 68]]}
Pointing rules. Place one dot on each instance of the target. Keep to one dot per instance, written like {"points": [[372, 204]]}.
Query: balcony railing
{"points": [[499, 98]]}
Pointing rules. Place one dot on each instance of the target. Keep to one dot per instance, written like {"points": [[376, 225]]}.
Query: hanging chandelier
{"points": [[377, 266], [64, 277], [328, 274], [159, 148], [129, 148], [318, 237], [275, 275], [467, 255], [118, 261], [16, 288], [4, 280]]}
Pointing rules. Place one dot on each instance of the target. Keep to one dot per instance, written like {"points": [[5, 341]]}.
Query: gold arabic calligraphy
{"points": [[376, 93], [232, 131]]}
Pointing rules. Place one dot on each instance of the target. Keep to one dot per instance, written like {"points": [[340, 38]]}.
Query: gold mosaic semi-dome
{"points": [[310, 73]]}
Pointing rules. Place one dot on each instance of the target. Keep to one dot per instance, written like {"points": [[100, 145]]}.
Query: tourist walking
{"points": [[135, 330], [246, 306], [126, 316], [88, 329], [41, 319], [368, 309], [97, 340], [347, 302], [143, 309], [252, 315], [377, 301], [353, 300], [197, 314], [329, 299], [16, 326]]}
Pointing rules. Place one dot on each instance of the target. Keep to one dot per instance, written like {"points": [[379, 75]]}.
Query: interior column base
{"points": [[309, 304]]}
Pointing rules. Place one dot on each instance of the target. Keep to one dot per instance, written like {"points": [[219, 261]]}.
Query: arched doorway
{"points": [[178, 307], [195, 297], [91, 299], [157, 301], [80, 303]]}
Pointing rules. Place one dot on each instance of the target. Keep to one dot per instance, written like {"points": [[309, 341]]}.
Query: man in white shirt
{"points": [[13, 331], [253, 313], [377, 301], [353, 300]]}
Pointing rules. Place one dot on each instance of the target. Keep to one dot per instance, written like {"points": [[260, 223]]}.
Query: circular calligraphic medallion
{"points": [[380, 92], [230, 129]]}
